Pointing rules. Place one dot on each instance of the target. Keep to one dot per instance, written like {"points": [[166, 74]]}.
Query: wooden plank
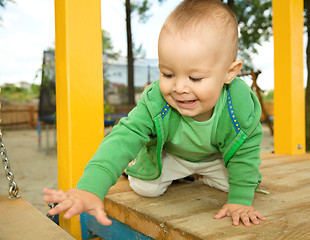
{"points": [[285, 159], [272, 156], [187, 209], [20, 220]]}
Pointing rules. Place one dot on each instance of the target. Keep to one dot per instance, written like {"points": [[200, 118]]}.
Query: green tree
{"points": [[108, 54], [13, 94], [254, 17], [255, 21], [3, 4], [141, 7], [255, 24], [107, 46]]}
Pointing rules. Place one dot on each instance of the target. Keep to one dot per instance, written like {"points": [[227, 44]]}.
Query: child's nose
{"points": [[180, 86]]}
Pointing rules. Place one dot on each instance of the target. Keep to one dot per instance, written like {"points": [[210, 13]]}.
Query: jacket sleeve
{"points": [[115, 152], [242, 154], [243, 169]]}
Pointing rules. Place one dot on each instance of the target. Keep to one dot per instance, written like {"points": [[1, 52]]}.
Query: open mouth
{"points": [[187, 103]]}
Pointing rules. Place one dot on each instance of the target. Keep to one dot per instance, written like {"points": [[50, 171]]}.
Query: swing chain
{"points": [[13, 188], [51, 205]]}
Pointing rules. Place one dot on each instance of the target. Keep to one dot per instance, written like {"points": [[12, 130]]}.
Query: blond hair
{"points": [[198, 15]]}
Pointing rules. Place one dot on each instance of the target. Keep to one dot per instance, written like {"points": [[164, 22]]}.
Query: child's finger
{"points": [[260, 216], [222, 213], [75, 209], [47, 198], [57, 198], [235, 218], [253, 218], [49, 191], [54, 195], [102, 217], [62, 207], [245, 219]]}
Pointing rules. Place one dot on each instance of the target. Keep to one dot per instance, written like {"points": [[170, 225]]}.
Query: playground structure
{"points": [[47, 99], [47, 102], [289, 128], [78, 36], [21, 220], [254, 86]]}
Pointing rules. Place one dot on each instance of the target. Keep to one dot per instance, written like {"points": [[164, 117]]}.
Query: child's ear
{"points": [[233, 70]]}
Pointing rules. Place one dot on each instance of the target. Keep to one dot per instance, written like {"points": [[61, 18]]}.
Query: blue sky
{"points": [[28, 29]]}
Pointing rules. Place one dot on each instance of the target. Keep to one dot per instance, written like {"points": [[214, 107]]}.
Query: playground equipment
{"points": [[110, 119], [19, 219], [13, 188], [47, 103], [186, 211], [78, 45], [258, 91], [80, 38]]}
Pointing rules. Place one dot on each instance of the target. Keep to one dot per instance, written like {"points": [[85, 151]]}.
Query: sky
{"points": [[28, 29]]}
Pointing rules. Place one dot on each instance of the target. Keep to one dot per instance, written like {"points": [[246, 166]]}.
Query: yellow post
{"points": [[289, 92], [79, 91]]}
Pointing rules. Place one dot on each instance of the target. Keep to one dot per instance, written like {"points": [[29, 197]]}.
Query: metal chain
{"points": [[13, 188], [50, 205]]}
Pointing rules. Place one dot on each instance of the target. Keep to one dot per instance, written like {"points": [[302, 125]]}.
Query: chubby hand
{"points": [[243, 213], [75, 202]]}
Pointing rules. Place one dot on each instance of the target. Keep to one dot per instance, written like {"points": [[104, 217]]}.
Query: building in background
{"points": [[145, 71], [115, 73]]}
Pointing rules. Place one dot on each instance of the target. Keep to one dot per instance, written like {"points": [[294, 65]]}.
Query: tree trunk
{"points": [[130, 59], [307, 23]]}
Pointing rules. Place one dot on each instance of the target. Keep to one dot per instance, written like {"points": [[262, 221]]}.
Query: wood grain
{"points": [[20, 220], [187, 209]]}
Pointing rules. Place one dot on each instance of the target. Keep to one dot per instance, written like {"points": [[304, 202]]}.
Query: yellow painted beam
{"points": [[79, 91], [289, 93]]}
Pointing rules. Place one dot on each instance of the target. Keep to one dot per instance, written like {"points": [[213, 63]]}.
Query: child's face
{"points": [[193, 70]]}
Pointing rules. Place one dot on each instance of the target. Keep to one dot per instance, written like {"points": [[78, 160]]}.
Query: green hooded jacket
{"points": [[236, 133]]}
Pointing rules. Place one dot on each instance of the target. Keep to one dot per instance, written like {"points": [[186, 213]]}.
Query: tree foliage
{"points": [[13, 94], [108, 52], [255, 21], [255, 25], [3, 4], [107, 46], [141, 7]]}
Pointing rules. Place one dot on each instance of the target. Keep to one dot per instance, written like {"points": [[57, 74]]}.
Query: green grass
{"points": [[14, 94]]}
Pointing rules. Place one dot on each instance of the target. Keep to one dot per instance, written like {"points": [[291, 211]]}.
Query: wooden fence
{"points": [[19, 116], [26, 116]]}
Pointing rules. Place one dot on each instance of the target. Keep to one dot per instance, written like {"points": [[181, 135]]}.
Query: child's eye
{"points": [[168, 75], [195, 79]]}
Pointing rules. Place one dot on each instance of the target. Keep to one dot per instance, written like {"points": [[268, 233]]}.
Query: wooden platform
{"points": [[20, 220], [186, 211]]}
